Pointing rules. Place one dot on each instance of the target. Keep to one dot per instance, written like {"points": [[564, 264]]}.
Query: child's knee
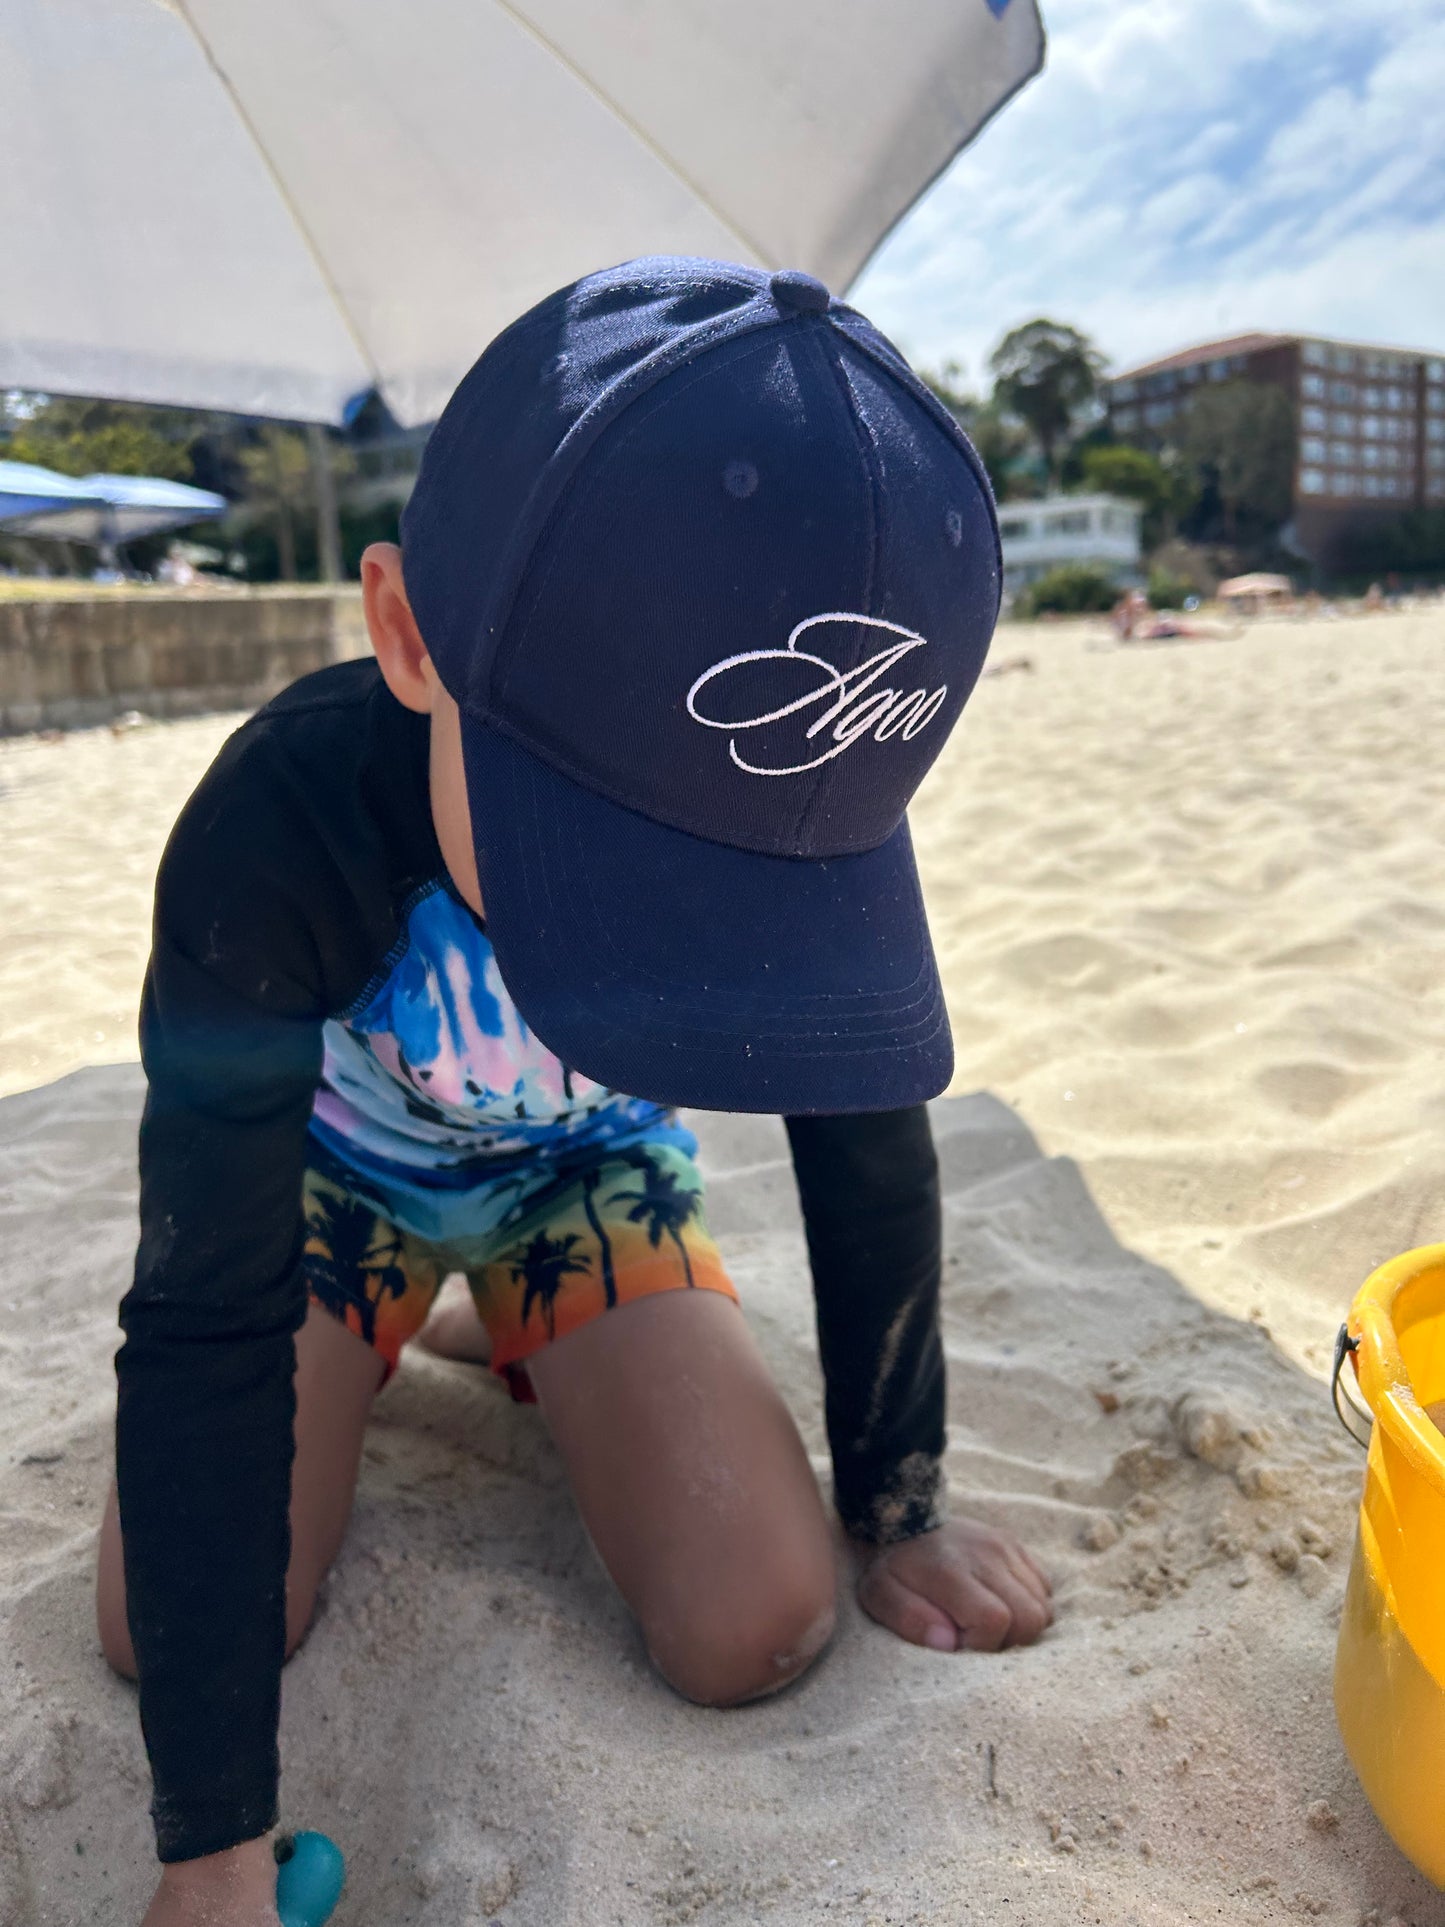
{"points": [[726, 1658], [114, 1633]]}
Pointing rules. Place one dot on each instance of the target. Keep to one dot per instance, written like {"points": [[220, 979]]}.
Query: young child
{"points": [[695, 580]]}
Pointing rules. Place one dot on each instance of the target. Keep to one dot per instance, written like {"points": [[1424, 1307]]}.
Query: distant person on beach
{"points": [[695, 580]]}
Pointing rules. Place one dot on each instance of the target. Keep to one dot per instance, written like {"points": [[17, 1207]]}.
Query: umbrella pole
{"points": [[110, 541], [328, 518]]}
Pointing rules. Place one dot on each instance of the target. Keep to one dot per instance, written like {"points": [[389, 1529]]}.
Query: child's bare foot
{"points": [[965, 1586], [453, 1329]]}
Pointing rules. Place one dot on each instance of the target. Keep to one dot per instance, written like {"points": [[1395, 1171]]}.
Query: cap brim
{"points": [[691, 973]]}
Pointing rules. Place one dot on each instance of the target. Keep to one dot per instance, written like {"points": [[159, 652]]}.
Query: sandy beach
{"points": [[1190, 906]]}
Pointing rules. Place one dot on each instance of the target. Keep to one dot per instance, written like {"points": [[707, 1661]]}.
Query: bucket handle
{"points": [[1349, 1411]]}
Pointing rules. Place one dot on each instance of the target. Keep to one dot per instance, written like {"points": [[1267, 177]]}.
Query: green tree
{"points": [[277, 468], [1002, 445], [77, 437], [1239, 439], [663, 1205], [1158, 487], [1046, 374]]}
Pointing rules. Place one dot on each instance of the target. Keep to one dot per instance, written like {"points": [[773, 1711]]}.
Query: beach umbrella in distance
{"points": [[274, 207], [109, 509], [101, 511], [26, 491]]}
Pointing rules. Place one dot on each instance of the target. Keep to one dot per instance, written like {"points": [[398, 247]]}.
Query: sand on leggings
{"points": [[1191, 910]]}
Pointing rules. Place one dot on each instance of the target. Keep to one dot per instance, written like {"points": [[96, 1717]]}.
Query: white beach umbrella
{"points": [[273, 205]]}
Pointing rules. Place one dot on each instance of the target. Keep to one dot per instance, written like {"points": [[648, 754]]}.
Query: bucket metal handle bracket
{"points": [[1354, 1416]]}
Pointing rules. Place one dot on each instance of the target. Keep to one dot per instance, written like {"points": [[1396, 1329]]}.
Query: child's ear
{"points": [[391, 625]]}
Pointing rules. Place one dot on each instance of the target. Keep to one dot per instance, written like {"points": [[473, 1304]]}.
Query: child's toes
{"points": [[905, 1612]]}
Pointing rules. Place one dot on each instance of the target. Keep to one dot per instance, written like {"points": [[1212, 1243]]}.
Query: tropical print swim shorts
{"points": [[564, 1247]]}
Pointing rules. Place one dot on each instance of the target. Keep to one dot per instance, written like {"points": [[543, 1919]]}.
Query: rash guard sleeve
{"points": [[868, 1185], [272, 901]]}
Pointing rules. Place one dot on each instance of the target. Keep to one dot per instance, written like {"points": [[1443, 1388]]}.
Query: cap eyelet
{"points": [[740, 479]]}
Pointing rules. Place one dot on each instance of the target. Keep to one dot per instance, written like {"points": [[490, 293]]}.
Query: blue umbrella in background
{"points": [[102, 511], [26, 490]]}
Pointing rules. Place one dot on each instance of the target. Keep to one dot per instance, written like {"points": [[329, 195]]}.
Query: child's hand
{"points": [[232, 1889], [962, 1586]]}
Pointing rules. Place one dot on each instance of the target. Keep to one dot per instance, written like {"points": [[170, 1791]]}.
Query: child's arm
{"points": [[869, 1189], [231, 1042], [275, 901]]}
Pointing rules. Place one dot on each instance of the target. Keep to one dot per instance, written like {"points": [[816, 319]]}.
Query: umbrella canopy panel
{"points": [[271, 208], [26, 490], [103, 510]]}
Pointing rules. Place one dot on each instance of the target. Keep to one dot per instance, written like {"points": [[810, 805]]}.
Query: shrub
{"points": [[1072, 589], [1167, 590]]}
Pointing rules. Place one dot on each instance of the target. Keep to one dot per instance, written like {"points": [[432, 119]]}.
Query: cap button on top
{"points": [[802, 293]]}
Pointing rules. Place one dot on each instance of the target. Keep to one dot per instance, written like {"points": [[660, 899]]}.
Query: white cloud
{"points": [[1192, 167]]}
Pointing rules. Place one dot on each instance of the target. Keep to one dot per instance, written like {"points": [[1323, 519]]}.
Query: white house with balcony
{"points": [[1101, 531]]}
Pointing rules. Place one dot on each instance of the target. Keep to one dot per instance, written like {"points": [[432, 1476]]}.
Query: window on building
{"points": [[1435, 370], [1342, 360], [1395, 397], [1342, 482], [1014, 529], [1314, 354], [1312, 449], [1343, 423], [1314, 418], [1313, 386], [1070, 522], [1312, 481], [1374, 457], [1342, 391], [1435, 454], [1342, 451], [1372, 428], [1217, 370], [1435, 401], [1125, 390], [1373, 396], [1376, 485], [1159, 412]]}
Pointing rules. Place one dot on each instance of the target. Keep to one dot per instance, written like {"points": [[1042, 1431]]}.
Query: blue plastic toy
{"points": [[309, 1879]]}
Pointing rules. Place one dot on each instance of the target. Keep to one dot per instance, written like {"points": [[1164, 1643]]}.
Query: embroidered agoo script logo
{"points": [[836, 709]]}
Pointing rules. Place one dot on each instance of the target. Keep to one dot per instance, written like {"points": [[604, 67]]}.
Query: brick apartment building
{"points": [[1369, 423]]}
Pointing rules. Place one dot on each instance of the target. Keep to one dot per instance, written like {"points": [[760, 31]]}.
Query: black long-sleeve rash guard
{"points": [[281, 896]]}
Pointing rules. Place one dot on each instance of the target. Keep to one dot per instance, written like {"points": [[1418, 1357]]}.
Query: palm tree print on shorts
{"points": [[354, 1243], [662, 1204], [591, 1178], [543, 1263]]}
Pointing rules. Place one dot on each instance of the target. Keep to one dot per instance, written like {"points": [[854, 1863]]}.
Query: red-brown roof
{"points": [[1206, 351]]}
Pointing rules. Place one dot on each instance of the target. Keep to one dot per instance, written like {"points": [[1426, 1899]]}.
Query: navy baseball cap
{"points": [[710, 574]]}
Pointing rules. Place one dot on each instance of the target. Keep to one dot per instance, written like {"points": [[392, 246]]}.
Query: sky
{"points": [[1189, 168]]}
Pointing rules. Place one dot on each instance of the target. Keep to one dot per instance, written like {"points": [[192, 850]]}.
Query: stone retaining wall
{"points": [[72, 662]]}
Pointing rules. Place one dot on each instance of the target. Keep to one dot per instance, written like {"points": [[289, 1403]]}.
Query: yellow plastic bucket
{"points": [[1390, 1662]]}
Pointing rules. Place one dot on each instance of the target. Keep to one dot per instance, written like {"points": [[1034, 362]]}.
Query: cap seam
{"points": [[813, 801], [581, 438], [688, 378]]}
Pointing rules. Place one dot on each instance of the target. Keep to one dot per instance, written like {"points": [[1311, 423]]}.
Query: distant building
{"points": [[1100, 530], [1369, 423]]}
